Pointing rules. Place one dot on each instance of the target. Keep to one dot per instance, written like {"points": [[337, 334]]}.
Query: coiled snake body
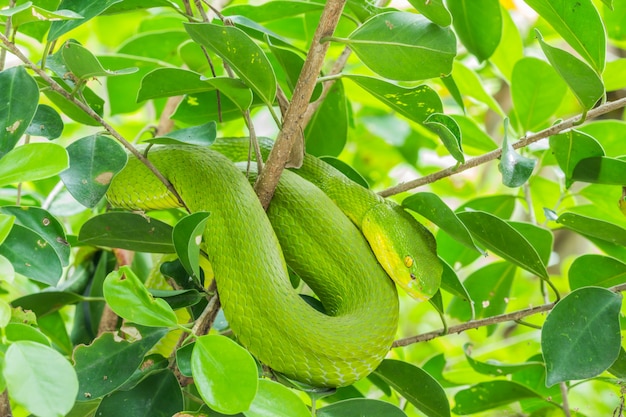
{"points": [[308, 231]]}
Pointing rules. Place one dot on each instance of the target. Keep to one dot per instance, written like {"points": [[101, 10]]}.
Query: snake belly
{"points": [[248, 255]]}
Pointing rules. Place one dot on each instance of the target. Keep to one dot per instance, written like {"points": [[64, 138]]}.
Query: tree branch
{"points": [[293, 125], [475, 324], [490, 156], [91, 113]]}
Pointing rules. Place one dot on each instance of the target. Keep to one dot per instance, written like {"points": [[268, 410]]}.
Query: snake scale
{"points": [[316, 224]]}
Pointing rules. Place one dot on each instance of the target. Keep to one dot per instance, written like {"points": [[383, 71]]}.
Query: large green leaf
{"points": [[570, 148], [274, 10], [128, 298], [416, 385], [40, 379], [244, 56], [504, 240], [159, 395], [360, 407], [203, 135], [594, 228], [88, 10], [488, 395], [108, 362], [126, 230], [31, 162], [478, 23], [584, 82], [537, 92], [579, 24], [600, 170], [415, 103], [20, 96], [276, 400], [596, 270], [46, 122], [225, 374], [31, 255], [581, 336], [395, 44], [434, 10], [94, 161]]}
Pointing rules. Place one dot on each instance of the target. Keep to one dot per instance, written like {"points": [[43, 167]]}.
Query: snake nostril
{"points": [[413, 277]]}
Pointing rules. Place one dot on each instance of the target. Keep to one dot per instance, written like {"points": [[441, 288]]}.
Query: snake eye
{"points": [[408, 261]]}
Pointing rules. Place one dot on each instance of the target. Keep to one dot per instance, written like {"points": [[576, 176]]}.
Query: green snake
{"points": [[316, 224]]}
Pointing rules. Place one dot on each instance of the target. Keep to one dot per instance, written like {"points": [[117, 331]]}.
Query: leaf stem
{"points": [[490, 156]]}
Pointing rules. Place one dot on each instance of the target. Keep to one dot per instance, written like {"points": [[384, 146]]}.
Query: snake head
{"points": [[404, 248]]}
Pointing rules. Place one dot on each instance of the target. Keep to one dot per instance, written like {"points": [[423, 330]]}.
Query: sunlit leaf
{"points": [[186, 237], [470, 84], [494, 367], [449, 133], [579, 24], [488, 395], [84, 65], [584, 82], [224, 373], [88, 10], [40, 379], [434, 10], [595, 228], [570, 148], [128, 298], [596, 270], [274, 399], [393, 45], [581, 336], [478, 25], [31, 162]]}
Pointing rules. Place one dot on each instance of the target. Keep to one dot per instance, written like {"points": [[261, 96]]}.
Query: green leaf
{"points": [[581, 336], [46, 122], [275, 10], [54, 327], [501, 238], [19, 331], [475, 140], [537, 92], [5, 313], [434, 209], [596, 270], [540, 238], [129, 299], [612, 75], [40, 379], [94, 161], [579, 24], [179, 298], [594, 228], [159, 395], [449, 132], [394, 44], [130, 231], [494, 367], [416, 385], [87, 10], [609, 133], [450, 282], [415, 103], [186, 238], [346, 170], [46, 302], [327, 132], [29, 13], [32, 256], [478, 25], [43, 223], [619, 366], [600, 170], [31, 162], [6, 223], [584, 82], [203, 135], [244, 56], [489, 288], [511, 48], [570, 148], [275, 400], [360, 407], [109, 361], [84, 65], [470, 84], [488, 395], [18, 106], [71, 110], [224, 373], [434, 10], [515, 168], [167, 82]]}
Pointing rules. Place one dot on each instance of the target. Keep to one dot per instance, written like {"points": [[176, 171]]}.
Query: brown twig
{"points": [[7, 33], [475, 324], [292, 127], [5, 404], [490, 156]]}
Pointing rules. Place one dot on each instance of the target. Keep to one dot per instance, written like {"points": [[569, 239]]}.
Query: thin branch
{"points": [[91, 113], [292, 127], [5, 404], [490, 156], [475, 324], [7, 33]]}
